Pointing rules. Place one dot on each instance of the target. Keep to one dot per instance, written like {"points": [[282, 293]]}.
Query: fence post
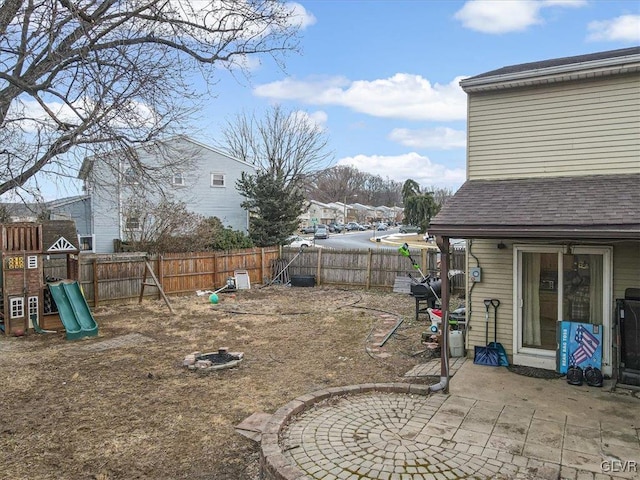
{"points": [[318, 267], [159, 270], [95, 282], [214, 273], [262, 267], [368, 281]]}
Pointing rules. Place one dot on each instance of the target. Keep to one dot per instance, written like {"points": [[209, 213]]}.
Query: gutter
{"points": [[455, 231]]}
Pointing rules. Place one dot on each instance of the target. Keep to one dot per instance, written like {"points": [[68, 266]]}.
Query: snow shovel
{"points": [[502, 354], [486, 355]]}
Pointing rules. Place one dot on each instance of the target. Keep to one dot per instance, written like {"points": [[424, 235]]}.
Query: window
{"points": [[86, 243], [133, 223], [130, 177], [17, 307], [217, 180], [178, 179]]}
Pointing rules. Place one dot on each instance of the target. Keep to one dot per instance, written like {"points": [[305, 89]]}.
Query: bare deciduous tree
{"points": [[168, 226], [287, 145], [81, 77], [342, 183]]}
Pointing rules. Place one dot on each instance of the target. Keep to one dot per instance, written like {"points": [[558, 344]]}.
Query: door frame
{"points": [[547, 358]]}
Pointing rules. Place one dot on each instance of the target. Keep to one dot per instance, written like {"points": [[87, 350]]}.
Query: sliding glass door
{"points": [[553, 284]]}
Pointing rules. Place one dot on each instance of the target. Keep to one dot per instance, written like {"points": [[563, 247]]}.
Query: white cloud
{"points": [[443, 138], [32, 116], [564, 3], [408, 166], [318, 117], [403, 95], [502, 16], [625, 28], [300, 16]]}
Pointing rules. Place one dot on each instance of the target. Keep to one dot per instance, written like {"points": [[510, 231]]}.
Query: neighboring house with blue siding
{"points": [[201, 177], [78, 209]]}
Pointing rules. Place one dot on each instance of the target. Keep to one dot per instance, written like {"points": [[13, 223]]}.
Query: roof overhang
{"points": [[553, 74], [540, 232], [595, 207]]}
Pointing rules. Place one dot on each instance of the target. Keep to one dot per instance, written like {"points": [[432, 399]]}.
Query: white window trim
{"points": [[218, 174], [547, 358], [32, 261], [93, 242], [177, 180], [32, 305], [16, 307]]}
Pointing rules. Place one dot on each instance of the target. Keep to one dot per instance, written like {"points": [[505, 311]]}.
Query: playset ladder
{"points": [[149, 270]]}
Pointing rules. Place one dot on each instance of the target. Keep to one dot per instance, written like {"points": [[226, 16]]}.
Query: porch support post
{"points": [[443, 245]]}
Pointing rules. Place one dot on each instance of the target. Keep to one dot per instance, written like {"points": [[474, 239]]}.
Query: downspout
{"points": [[443, 385]]}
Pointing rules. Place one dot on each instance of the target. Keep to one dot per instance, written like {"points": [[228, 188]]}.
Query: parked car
{"points": [[297, 241], [409, 229], [336, 227], [322, 231], [354, 226], [308, 229], [382, 227]]}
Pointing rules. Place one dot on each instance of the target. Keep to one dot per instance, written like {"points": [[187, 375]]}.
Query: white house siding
{"points": [[626, 267], [497, 282], [571, 128]]}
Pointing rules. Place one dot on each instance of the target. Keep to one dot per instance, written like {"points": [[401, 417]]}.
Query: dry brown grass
{"points": [[133, 412]]}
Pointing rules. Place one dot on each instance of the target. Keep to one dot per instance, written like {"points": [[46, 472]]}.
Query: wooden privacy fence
{"points": [[371, 268], [118, 277]]}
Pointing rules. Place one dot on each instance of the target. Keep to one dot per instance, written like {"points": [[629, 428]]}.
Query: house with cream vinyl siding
{"points": [[550, 208]]}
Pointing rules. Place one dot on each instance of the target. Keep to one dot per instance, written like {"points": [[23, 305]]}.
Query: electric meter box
{"points": [[476, 274]]}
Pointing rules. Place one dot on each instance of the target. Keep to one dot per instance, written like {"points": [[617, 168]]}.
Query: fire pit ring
{"points": [[207, 362]]}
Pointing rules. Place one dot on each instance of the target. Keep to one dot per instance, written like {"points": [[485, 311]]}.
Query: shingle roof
{"points": [[556, 62], [596, 206]]}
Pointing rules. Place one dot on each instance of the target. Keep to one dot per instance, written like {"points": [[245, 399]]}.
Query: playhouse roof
{"points": [[60, 236]]}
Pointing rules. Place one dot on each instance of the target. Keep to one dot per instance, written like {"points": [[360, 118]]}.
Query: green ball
{"points": [[213, 298]]}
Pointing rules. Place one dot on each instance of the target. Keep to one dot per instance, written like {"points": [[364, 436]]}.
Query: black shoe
{"points": [[574, 375], [593, 376]]}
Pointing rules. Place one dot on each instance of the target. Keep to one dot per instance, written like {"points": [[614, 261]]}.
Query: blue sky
{"points": [[382, 76]]}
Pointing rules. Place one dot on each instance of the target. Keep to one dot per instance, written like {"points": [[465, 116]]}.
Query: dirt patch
{"points": [[128, 408]]}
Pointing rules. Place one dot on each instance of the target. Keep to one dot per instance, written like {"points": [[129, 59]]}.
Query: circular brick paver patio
{"points": [[374, 431]]}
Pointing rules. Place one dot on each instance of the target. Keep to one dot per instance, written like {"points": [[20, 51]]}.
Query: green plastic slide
{"points": [[74, 312]]}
